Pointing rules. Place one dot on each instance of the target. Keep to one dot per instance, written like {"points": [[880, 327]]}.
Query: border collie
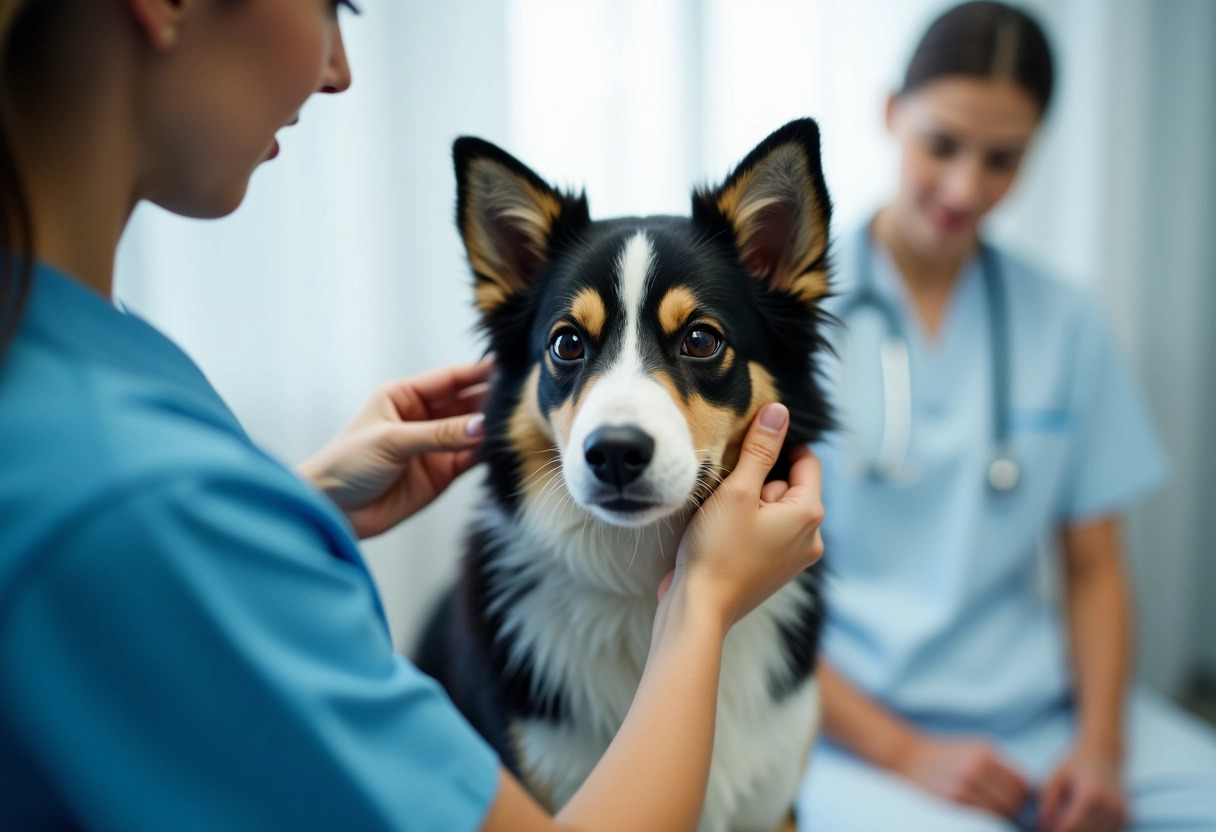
{"points": [[632, 355]]}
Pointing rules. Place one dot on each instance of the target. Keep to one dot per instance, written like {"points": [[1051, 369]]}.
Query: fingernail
{"points": [[475, 426], [773, 417]]}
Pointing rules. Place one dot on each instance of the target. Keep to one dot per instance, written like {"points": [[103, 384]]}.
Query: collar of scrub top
{"points": [[891, 462]]}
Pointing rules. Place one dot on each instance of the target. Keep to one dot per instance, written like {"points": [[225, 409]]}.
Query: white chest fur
{"points": [[586, 631]]}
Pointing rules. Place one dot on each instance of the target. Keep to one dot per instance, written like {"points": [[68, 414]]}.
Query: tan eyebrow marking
{"points": [[588, 309], [678, 306]]}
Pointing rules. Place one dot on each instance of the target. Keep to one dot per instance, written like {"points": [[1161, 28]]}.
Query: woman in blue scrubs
{"points": [[188, 636], [958, 694]]}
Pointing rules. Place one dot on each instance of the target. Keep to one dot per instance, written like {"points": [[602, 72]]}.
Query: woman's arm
{"points": [[965, 771], [1084, 791], [859, 723], [1099, 630], [739, 549], [654, 774]]}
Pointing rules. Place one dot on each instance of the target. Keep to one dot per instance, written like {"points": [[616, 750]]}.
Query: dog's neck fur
{"points": [[552, 531], [557, 563]]}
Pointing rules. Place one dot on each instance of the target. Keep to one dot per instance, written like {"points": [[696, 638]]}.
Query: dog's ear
{"points": [[775, 208], [509, 219]]}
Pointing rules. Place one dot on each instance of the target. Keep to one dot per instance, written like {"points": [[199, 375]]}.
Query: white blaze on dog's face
{"points": [[629, 456], [634, 353]]}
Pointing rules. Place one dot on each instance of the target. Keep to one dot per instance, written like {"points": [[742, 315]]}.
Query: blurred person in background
{"points": [[985, 413], [189, 638]]}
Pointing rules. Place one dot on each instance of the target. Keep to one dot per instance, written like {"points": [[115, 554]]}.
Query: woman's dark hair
{"points": [[16, 223], [984, 39]]}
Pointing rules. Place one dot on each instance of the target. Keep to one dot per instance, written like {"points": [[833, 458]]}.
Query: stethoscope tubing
{"points": [[891, 461]]}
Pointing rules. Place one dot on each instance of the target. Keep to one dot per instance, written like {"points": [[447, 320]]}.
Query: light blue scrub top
{"points": [[188, 636], [935, 603]]}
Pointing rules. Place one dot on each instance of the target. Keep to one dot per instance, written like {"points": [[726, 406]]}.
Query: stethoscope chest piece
{"points": [[1004, 473]]}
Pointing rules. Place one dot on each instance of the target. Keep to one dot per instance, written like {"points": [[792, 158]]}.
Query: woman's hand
{"points": [[408, 443], [965, 771], [1084, 794], [750, 539]]}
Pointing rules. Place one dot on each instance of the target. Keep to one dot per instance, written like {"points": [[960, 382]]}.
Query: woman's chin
{"points": [[213, 205]]}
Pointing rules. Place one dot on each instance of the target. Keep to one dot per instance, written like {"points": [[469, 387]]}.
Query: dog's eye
{"points": [[701, 343], [567, 346]]}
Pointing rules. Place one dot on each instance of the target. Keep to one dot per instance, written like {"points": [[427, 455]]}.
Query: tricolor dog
{"points": [[632, 355]]}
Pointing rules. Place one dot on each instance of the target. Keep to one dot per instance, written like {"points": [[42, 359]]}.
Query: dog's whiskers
{"points": [[637, 542], [548, 468]]}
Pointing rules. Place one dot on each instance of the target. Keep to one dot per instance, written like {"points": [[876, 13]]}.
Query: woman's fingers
{"points": [[760, 450], [437, 385], [1008, 785], [456, 433], [468, 400], [806, 474], [774, 491], [1052, 800], [998, 797]]}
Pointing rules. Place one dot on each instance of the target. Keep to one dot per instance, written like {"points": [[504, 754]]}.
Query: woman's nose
{"points": [[337, 74], [964, 184]]}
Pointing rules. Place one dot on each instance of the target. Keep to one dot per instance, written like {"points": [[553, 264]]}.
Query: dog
{"points": [[632, 355]]}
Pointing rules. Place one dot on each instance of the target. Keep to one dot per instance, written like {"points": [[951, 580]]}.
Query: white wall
{"points": [[1164, 252]]}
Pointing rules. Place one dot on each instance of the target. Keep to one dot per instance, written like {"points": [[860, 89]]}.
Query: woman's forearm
{"points": [[1099, 628], [860, 724], [654, 774]]}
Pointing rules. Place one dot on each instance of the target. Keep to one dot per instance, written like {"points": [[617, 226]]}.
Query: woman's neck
{"points": [[929, 276], [78, 219], [79, 169]]}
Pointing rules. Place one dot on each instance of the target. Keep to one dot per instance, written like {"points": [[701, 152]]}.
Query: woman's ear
{"points": [[160, 21], [889, 112]]}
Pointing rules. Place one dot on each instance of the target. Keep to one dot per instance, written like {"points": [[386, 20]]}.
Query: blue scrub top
{"points": [[935, 600], [189, 638]]}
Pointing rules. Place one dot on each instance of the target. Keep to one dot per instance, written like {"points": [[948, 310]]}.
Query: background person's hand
{"points": [[969, 772], [1084, 794], [412, 438], [740, 548]]}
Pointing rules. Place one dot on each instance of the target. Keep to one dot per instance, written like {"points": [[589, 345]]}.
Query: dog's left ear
{"points": [[775, 207]]}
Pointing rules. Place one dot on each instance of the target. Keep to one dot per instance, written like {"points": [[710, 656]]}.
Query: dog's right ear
{"points": [[509, 219]]}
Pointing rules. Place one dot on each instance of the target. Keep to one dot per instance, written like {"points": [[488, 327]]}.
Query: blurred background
{"points": [[343, 267]]}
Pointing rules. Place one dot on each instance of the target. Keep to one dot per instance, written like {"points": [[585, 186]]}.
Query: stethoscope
{"points": [[891, 462]]}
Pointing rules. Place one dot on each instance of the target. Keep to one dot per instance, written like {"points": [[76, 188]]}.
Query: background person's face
{"points": [[239, 73], [962, 141]]}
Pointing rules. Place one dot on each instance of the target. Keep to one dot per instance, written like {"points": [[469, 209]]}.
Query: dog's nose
{"points": [[618, 454]]}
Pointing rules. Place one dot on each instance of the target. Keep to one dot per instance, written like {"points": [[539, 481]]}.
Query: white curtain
{"points": [[344, 267]]}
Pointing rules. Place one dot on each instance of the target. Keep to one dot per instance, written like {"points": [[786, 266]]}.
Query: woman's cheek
{"points": [[922, 173]]}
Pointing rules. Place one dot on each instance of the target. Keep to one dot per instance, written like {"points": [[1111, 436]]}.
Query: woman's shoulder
{"points": [[63, 410], [1045, 297], [1034, 280], [83, 432]]}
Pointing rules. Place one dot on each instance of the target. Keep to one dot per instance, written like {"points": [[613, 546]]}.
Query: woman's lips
{"points": [[949, 222]]}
